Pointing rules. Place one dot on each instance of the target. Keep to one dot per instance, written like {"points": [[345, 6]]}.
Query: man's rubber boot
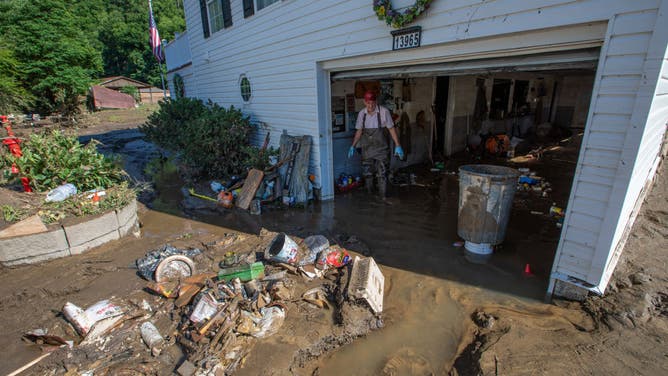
{"points": [[382, 187], [368, 183]]}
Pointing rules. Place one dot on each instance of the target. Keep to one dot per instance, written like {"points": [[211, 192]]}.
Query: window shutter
{"points": [[248, 8], [227, 13], [205, 18]]}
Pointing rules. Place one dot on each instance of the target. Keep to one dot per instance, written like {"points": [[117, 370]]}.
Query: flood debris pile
{"points": [[203, 310], [284, 182]]}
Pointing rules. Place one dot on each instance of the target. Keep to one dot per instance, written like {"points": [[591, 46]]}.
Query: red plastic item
{"points": [[338, 258], [26, 184], [348, 187], [527, 270], [13, 145]]}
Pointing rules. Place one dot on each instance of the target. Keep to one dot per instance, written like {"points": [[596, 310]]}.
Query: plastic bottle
{"points": [[151, 337], [61, 193]]}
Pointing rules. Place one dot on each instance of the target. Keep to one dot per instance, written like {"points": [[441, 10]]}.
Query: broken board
{"points": [[251, 184]]}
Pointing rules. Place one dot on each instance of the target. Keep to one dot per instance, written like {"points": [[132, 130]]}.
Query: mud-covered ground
{"points": [[441, 315]]}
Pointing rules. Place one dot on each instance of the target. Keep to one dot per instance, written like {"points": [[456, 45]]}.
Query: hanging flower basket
{"points": [[396, 19]]}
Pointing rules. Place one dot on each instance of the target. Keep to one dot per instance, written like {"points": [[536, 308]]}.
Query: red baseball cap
{"points": [[369, 96]]}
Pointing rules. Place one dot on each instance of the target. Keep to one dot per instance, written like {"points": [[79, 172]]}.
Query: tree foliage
{"points": [[54, 49]]}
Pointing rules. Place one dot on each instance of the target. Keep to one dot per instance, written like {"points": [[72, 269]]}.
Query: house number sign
{"points": [[406, 38]]}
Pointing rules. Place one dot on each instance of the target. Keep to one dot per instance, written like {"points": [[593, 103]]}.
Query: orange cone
{"points": [[527, 270]]}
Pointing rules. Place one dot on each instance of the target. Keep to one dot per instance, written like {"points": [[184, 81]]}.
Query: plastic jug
{"points": [[61, 193]]}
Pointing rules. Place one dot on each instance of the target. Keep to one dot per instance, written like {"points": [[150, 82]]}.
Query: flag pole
{"points": [[162, 77]]}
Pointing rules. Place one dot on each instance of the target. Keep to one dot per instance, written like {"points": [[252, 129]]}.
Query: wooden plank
{"points": [[251, 185], [30, 225]]}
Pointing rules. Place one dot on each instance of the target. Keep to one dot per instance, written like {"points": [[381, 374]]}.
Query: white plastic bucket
{"points": [[282, 249], [478, 253]]}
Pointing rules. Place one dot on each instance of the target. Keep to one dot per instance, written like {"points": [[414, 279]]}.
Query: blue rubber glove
{"points": [[351, 152], [399, 152]]}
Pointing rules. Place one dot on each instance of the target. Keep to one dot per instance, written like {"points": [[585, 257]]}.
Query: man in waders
{"points": [[372, 123]]}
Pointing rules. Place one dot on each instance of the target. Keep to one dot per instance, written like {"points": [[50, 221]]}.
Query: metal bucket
{"points": [[282, 249], [485, 198]]}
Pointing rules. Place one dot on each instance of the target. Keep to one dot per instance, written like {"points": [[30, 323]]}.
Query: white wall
{"points": [[288, 49], [601, 199]]}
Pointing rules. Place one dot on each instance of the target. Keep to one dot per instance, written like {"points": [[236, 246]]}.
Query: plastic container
{"points": [[151, 337], [315, 244], [282, 249], [226, 199], [244, 272], [478, 253], [485, 198], [61, 193]]}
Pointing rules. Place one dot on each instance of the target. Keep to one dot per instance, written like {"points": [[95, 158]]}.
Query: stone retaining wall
{"points": [[69, 239]]}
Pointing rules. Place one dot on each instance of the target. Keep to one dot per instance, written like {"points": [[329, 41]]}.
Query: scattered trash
{"points": [[204, 309], [174, 267], [226, 199], [267, 323], [61, 193], [317, 297], [83, 321], [191, 191], [315, 245], [152, 337], [41, 337], [367, 283], [256, 207], [459, 243], [149, 263], [215, 316], [245, 272], [332, 257], [216, 187], [556, 211], [282, 249]]}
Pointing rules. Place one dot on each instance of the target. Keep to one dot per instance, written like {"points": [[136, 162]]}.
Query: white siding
{"points": [[288, 49], [614, 163]]}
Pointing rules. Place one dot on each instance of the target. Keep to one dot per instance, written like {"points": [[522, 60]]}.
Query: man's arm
{"points": [[393, 134], [358, 135]]}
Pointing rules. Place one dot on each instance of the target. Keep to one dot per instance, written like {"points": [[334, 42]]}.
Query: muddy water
{"points": [[430, 286]]}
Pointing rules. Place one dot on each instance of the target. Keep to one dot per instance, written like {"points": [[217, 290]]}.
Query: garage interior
{"points": [[525, 112]]}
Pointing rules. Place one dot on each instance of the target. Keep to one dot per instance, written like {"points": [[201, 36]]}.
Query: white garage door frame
{"points": [[530, 49]]}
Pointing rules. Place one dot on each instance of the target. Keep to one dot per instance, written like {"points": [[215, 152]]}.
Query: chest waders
{"points": [[375, 156]]}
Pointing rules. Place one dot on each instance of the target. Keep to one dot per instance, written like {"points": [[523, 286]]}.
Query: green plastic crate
{"points": [[244, 272]]}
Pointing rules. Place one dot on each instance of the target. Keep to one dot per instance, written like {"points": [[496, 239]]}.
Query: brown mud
{"points": [[441, 315]]}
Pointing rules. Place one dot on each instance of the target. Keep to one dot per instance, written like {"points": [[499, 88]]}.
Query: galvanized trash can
{"points": [[485, 197]]}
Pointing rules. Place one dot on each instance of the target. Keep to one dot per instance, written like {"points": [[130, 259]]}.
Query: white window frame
{"points": [[211, 17], [257, 7], [250, 87]]}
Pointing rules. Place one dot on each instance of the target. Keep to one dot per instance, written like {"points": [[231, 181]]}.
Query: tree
{"points": [[56, 58], [13, 96]]}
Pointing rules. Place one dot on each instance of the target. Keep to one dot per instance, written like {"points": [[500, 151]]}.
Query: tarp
{"points": [[107, 98]]}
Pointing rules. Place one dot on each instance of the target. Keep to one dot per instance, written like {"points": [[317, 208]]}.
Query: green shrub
{"points": [[211, 141], [51, 159]]}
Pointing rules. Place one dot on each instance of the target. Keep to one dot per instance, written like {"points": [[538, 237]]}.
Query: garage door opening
{"points": [[528, 113]]}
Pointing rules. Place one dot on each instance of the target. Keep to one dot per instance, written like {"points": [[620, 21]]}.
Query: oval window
{"points": [[245, 87]]}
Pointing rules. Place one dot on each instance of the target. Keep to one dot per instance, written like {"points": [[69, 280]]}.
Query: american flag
{"points": [[154, 36]]}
